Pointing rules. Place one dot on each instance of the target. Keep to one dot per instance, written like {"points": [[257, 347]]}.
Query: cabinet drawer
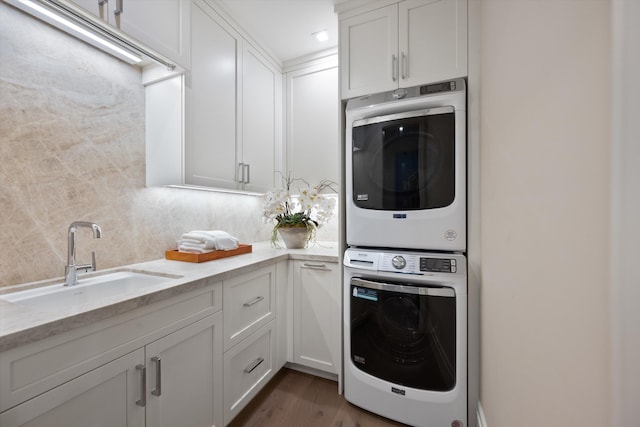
{"points": [[247, 368], [248, 302], [34, 368]]}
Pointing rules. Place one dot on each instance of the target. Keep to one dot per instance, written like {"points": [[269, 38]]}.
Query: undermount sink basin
{"points": [[88, 291]]}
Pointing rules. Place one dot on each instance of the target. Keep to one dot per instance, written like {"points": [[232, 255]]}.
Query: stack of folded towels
{"points": [[200, 242]]}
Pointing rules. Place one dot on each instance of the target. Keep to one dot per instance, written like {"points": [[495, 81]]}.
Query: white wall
{"points": [[625, 213], [545, 197]]}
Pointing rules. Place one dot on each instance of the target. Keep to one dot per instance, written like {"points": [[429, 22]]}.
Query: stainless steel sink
{"points": [[89, 291]]}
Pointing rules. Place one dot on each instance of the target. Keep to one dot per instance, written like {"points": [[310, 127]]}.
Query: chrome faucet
{"points": [[71, 269]]}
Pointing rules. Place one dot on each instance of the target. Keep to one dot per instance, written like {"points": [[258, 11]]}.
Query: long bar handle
{"points": [[403, 66], [158, 390], [253, 301], [253, 365], [119, 7], [394, 68], [247, 166], [143, 395], [240, 176], [316, 266]]}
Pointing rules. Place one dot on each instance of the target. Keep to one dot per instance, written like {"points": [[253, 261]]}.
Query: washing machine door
{"points": [[404, 333]]}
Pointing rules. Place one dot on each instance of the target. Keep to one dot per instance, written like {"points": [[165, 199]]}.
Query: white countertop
{"points": [[20, 325]]}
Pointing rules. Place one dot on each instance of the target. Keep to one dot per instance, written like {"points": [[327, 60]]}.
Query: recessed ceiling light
{"points": [[321, 36]]}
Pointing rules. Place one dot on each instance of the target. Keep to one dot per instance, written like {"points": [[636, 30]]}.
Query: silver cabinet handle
{"points": [[253, 365], [394, 67], [158, 390], [143, 395], [318, 266], [253, 301], [241, 169], [119, 8], [248, 177], [403, 66]]}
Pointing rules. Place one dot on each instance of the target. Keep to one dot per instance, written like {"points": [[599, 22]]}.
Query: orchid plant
{"points": [[310, 208]]}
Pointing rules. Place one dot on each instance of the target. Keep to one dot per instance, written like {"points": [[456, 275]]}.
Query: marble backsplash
{"points": [[72, 148]]}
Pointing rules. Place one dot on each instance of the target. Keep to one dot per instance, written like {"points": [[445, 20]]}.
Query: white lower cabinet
{"points": [[178, 383], [160, 365], [184, 376], [249, 336], [317, 315], [247, 368], [103, 397]]}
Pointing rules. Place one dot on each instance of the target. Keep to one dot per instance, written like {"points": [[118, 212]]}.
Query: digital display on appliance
{"points": [[438, 265]]}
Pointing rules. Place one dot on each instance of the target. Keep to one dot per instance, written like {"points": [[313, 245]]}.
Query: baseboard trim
{"points": [[482, 421]]}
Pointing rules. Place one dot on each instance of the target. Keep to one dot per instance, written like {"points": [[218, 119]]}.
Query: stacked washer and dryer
{"points": [[405, 270]]}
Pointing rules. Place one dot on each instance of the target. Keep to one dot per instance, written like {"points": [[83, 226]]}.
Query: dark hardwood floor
{"points": [[295, 399]]}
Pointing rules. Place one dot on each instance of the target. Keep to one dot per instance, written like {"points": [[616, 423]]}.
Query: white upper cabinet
{"points": [[409, 43], [313, 110], [211, 132], [233, 99], [369, 52], [258, 150], [163, 25]]}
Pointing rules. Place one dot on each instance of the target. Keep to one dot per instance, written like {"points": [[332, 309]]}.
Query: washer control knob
{"points": [[398, 262]]}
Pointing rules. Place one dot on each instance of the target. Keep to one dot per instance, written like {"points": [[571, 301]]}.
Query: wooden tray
{"points": [[209, 256]]}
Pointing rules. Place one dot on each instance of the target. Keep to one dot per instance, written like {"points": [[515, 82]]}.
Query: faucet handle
{"points": [[93, 261]]}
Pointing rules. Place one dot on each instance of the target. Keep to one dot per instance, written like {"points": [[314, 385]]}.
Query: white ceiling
{"points": [[285, 26]]}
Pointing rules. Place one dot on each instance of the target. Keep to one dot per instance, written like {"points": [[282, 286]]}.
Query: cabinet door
{"points": [[184, 376], [369, 52], [317, 315], [163, 25], [104, 397], [433, 40], [210, 148], [258, 122], [312, 123]]}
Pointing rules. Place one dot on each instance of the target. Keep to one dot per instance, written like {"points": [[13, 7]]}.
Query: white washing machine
{"points": [[405, 335]]}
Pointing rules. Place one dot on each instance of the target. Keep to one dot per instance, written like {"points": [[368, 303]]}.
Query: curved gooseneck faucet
{"points": [[71, 269]]}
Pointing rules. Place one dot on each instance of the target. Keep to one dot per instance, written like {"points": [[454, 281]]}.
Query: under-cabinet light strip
{"points": [[90, 27], [77, 28]]}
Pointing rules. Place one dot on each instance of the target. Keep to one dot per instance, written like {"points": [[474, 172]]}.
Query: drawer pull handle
{"points": [[311, 265], [253, 301], [253, 365], [143, 395], [158, 389]]}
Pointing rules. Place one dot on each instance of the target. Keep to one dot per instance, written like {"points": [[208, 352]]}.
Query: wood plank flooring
{"points": [[295, 399]]}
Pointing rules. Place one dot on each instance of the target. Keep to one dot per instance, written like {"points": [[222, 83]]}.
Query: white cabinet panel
{"points": [[161, 24], [104, 397], [258, 121], [317, 315], [313, 107], [433, 42], [184, 376], [210, 148], [369, 52]]}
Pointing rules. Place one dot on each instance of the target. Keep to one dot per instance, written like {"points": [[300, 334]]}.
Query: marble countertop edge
{"points": [[20, 325]]}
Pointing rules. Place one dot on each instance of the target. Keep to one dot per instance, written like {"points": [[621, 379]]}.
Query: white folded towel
{"points": [[193, 249], [207, 241]]}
